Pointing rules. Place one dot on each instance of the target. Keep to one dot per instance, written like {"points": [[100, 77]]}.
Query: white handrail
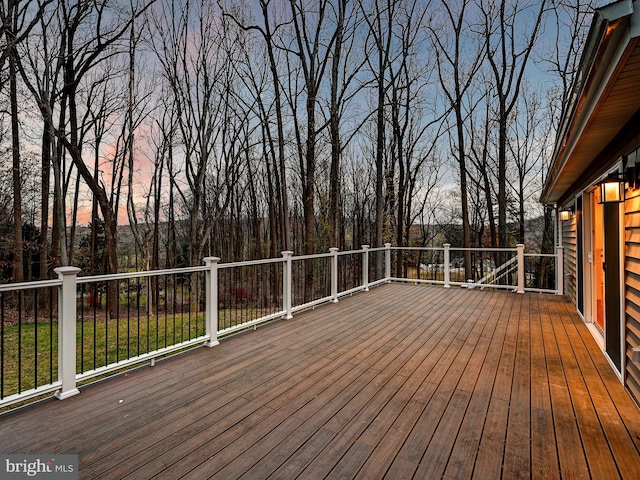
{"points": [[68, 283]]}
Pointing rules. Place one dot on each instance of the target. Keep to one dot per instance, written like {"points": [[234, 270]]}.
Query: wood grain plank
{"points": [[517, 452], [606, 427], [491, 450], [464, 452], [435, 459], [571, 456], [543, 440], [399, 382]]}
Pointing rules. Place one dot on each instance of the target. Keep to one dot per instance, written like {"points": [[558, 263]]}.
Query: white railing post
{"points": [[447, 264], [211, 301], [521, 268], [287, 280], [365, 267], [387, 261], [559, 270], [67, 332], [334, 274]]}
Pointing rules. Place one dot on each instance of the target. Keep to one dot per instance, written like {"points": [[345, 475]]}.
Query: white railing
{"points": [[105, 323], [497, 274], [500, 268]]}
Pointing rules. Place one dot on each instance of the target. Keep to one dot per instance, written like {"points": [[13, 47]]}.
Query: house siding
{"points": [[570, 252], [632, 289]]}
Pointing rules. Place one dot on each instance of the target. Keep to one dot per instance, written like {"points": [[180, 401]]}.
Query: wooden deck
{"points": [[401, 382]]}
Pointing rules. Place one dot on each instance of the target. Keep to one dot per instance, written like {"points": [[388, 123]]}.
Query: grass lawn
{"points": [[29, 352]]}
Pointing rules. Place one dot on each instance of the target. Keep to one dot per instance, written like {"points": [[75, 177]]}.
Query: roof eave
{"points": [[602, 47]]}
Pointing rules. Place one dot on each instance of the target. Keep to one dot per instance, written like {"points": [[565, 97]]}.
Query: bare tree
{"points": [[526, 150], [569, 21], [40, 72], [139, 93], [378, 49], [358, 192], [17, 19], [257, 86], [508, 46], [346, 65], [482, 140], [268, 33], [255, 67], [311, 54], [457, 67], [91, 32], [407, 80], [188, 41]]}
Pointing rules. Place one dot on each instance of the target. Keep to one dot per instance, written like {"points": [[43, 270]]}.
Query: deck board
{"points": [[479, 381], [403, 381], [543, 441], [517, 457]]}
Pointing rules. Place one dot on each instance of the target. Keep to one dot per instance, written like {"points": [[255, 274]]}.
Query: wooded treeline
{"points": [[244, 128]]}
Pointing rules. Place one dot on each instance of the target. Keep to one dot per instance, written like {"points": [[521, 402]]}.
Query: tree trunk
{"points": [[308, 193], [380, 140], [502, 179], [334, 130], [280, 166], [464, 201], [545, 275], [18, 268]]}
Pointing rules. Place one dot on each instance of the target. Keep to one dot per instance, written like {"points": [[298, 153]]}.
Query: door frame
{"points": [[613, 289], [589, 282]]}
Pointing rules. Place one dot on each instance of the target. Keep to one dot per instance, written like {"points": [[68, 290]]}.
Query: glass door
{"points": [[597, 241], [606, 283]]}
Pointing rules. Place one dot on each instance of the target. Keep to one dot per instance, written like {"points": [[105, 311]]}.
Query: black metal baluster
{"points": [[35, 334], [166, 309], [189, 289], [157, 315], [190, 304], [128, 318], [138, 292], [106, 325], [19, 341], [175, 297], [233, 299], [97, 300], [2, 345], [82, 294], [51, 292], [117, 320]]}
